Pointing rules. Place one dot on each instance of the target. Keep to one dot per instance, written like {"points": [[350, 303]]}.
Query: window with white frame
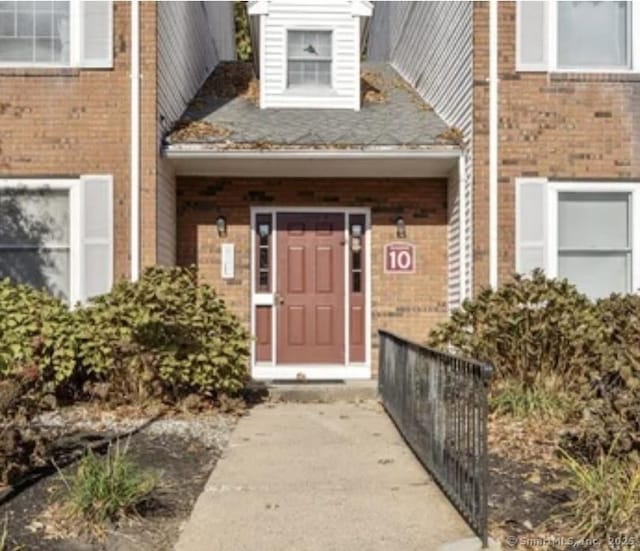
{"points": [[594, 241], [35, 239], [34, 32], [309, 58], [588, 233], [57, 33], [57, 235], [564, 35]]}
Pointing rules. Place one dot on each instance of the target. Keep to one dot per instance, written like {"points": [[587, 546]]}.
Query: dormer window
{"points": [[308, 52], [309, 58]]}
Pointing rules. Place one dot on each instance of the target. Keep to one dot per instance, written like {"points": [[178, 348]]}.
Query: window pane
{"points": [[25, 24], [34, 32], [294, 47], [44, 50], [7, 24], [34, 217], [16, 49], [44, 269], [593, 220], [324, 72], [309, 44], [44, 24], [264, 258], [597, 274], [593, 34], [357, 282]]}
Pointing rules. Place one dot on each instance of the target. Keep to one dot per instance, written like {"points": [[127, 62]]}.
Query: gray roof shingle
{"points": [[392, 115]]}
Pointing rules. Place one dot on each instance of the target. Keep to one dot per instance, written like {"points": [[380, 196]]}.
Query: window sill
{"points": [[595, 76], [310, 91], [39, 72]]}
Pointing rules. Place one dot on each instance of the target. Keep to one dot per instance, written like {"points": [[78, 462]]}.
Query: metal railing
{"points": [[439, 403]]}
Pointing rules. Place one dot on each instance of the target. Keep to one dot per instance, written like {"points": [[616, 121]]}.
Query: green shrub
{"points": [[37, 335], [163, 335], [105, 489], [606, 500], [244, 49], [528, 328]]}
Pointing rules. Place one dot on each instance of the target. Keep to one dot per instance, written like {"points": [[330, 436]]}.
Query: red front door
{"points": [[310, 290]]}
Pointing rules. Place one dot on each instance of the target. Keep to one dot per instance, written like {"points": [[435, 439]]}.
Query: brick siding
{"points": [[57, 123], [557, 126], [408, 304]]}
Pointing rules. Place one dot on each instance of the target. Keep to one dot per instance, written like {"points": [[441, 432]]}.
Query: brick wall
{"points": [[557, 126], [58, 123], [150, 146], [480, 194], [407, 304]]}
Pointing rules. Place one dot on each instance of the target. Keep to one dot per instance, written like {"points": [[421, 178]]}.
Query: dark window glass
{"points": [[356, 260], [357, 282], [264, 258]]}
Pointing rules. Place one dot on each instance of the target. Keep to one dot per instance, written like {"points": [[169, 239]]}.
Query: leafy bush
{"points": [[606, 501], [104, 489], [610, 420], [37, 335], [244, 49], [163, 335], [528, 328]]}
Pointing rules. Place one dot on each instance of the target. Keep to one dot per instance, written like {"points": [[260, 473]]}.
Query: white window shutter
{"points": [[96, 228], [531, 225], [532, 35], [96, 33]]}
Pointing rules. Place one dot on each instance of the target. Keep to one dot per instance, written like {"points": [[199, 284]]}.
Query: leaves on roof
{"points": [[372, 87], [230, 79], [197, 131], [451, 135]]}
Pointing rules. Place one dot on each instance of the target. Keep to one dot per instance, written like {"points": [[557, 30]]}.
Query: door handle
{"points": [[279, 299]]}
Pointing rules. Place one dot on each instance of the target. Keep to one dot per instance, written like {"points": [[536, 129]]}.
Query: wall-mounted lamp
{"points": [[401, 228], [221, 224]]}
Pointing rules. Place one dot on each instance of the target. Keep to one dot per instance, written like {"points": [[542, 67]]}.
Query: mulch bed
{"points": [[182, 450], [527, 480]]}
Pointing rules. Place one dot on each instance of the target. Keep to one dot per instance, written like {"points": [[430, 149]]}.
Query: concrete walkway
{"points": [[323, 477]]}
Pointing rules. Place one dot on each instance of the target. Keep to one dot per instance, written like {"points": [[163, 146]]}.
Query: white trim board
{"points": [[310, 372], [272, 370]]}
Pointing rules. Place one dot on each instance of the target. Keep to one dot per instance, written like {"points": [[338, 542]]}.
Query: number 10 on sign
{"points": [[399, 258]]}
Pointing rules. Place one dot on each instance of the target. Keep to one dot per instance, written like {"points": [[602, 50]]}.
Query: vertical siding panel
{"points": [[431, 45], [193, 37]]}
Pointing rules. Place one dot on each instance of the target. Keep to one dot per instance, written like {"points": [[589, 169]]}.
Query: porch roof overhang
{"points": [[371, 162]]}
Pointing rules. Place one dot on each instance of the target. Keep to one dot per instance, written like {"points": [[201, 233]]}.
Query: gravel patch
{"points": [[213, 432], [182, 447]]}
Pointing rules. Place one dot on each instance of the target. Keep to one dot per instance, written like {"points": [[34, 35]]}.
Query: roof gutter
{"points": [[369, 153]]}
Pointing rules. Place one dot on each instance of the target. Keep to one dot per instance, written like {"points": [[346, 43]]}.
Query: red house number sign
{"points": [[399, 258]]}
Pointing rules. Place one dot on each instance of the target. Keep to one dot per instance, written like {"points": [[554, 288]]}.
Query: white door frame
{"points": [[271, 369]]}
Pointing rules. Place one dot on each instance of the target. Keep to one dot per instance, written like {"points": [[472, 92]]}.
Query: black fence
{"points": [[439, 403]]}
